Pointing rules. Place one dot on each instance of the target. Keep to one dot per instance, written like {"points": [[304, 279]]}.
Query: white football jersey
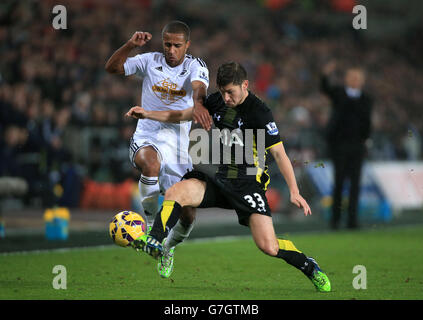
{"points": [[166, 88]]}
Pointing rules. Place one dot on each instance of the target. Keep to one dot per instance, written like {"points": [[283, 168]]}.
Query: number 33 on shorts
{"points": [[256, 202]]}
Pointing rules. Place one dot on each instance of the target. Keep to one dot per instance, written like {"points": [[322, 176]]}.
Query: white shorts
{"points": [[174, 162]]}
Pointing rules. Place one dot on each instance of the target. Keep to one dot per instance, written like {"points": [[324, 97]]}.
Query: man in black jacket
{"points": [[347, 131]]}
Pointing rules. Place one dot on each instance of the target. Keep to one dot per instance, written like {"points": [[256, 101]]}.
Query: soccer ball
{"points": [[127, 226]]}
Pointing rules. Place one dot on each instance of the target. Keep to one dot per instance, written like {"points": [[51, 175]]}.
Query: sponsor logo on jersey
{"points": [[184, 72], [229, 138], [168, 91], [272, 129]]}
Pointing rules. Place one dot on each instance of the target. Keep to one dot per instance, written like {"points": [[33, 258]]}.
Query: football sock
{"points": [[289, 253], [178, 234], [166, 219], [149, 190]]}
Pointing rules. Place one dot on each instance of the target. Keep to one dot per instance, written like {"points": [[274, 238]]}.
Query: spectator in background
{"points": [[347, 131], [13, 139]]}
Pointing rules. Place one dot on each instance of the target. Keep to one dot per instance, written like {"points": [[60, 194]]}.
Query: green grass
{"points": [[230, 269]]}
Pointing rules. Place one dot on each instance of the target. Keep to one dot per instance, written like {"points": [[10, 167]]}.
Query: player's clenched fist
{"points": [[136, 112], [140, 38]]}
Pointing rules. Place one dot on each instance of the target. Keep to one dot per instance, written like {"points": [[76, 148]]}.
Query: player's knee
{"points": [[148, 162], [150, 171], [268, 247], [186, 193], [173, 193]]}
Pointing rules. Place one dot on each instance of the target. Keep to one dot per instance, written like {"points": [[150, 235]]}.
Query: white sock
{"points": [[178, 234], [149, 191]]}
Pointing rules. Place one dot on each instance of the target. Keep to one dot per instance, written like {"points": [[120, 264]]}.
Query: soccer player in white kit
{"points": [[172, 80]]}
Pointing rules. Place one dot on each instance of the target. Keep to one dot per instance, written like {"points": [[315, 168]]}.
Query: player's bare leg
{"points": [[263, 233], [176, 197], [177, 235], [182, 228], [186, 193], [148, 161], [264, 236]]}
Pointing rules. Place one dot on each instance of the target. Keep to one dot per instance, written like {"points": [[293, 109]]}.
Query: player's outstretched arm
{"points": [[285, 167], [200, 113], [117, 60], [173, 116]]}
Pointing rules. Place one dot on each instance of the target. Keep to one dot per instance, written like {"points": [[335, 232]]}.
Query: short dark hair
{"points": [[177, 27], [230, 72]]}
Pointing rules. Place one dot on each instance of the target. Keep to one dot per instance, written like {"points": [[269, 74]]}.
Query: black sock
{"points": [[165, 219], [289, 253]]}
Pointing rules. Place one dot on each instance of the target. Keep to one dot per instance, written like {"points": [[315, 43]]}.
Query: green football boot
{"points": [[165, 264], [149, 245], [319, 278]]}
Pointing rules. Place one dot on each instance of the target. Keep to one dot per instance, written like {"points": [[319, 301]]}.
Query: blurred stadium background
{"points": [[61, 115]]}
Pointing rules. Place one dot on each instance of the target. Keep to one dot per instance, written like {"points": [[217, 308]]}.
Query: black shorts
{"points": [[242, 195]]}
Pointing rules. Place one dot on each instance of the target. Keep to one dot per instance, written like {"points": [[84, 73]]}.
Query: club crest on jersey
{"points": [[217, 116], [272, 129]]}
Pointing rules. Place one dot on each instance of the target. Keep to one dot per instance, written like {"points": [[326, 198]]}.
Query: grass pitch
{"points": [[226, 269]]}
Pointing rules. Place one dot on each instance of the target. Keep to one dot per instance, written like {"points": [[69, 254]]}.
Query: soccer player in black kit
{"points": [[246, 124]]}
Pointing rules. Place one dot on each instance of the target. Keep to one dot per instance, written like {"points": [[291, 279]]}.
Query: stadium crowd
{"points": [[54, 91]]}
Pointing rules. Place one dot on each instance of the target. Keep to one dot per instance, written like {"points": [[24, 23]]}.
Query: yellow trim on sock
{"points": [[287, 245], [166, 212]]}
